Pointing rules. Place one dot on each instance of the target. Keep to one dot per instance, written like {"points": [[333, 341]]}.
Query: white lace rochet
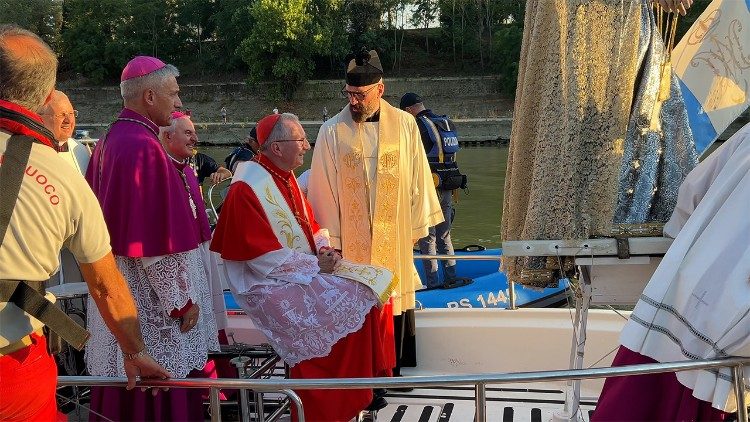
{"points": [[301, 312], [159, 285]]}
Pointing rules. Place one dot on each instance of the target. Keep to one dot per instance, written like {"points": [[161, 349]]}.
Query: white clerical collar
{"points": [[185, 161]]}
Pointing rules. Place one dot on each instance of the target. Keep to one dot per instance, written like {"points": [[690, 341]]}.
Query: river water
{"points": [[478, 210]]}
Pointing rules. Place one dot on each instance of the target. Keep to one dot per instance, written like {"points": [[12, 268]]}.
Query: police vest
{"points": [[444, 138]]}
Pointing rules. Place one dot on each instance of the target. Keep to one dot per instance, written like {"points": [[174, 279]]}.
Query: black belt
{"points": [[446, 159], [29, 296]]}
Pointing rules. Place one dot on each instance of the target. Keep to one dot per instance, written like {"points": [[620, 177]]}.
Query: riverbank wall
{"points": [[481, 113]]}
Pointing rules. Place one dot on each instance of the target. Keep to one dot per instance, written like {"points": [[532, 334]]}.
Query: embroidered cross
{"points": [[700, 299]]}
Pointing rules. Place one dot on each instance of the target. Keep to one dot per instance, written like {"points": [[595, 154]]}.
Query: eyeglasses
{"points": [[303, 140], [359, 96], [73, 113]]}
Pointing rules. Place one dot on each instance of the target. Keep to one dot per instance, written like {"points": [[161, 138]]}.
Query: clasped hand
{"points": [[327, 259]]}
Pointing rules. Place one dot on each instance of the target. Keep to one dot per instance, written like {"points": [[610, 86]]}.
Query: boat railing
{"points": [[213, 215], [479, 381]]}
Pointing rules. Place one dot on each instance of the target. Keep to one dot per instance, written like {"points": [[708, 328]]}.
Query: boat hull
{"points": [[473, 341], [489, 288]]}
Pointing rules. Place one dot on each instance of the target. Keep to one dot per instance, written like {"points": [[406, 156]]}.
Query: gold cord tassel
{"points": [[667, 24]]}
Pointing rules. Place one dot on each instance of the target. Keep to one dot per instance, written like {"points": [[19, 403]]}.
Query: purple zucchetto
{"points": [[140, 66]]}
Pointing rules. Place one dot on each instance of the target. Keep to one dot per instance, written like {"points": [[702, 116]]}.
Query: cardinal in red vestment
{"points": [[278, 264]]}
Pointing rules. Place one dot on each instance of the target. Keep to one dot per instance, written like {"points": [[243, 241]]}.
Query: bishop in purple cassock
{"points": [[156, 228]]}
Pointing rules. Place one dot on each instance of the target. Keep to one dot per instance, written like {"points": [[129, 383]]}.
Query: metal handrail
{"points": [[287, 386], [210, 195], [461, 257]]}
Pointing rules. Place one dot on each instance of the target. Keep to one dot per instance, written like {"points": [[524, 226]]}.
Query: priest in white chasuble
{"points": [[370, 184], [320, 313]]}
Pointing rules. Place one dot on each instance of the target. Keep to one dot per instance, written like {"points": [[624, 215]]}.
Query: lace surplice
{"points": [[159, 286], [304, 313]]}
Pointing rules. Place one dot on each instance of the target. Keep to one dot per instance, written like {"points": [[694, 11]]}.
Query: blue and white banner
{"points": [[712, 62]]}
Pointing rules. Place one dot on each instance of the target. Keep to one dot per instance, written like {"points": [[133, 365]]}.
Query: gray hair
{"points": [[163, 130], [130, 89], [27, 71], [280, 130]]}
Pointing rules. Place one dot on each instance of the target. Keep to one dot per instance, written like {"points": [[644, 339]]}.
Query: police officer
{"points": [[440, 142]]}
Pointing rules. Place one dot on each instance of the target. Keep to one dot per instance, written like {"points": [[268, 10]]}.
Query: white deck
{"points": [[471, 341]]}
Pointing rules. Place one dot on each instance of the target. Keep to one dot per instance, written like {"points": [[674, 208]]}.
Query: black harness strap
{"points": [[11, 175], [33, 302], [25, 295]]}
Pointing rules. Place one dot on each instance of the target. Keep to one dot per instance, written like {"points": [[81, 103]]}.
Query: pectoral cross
{"points": [[193, 207]]}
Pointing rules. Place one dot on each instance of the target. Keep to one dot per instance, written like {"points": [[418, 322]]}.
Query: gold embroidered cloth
{"points": [[405, 204], [577, 81]]}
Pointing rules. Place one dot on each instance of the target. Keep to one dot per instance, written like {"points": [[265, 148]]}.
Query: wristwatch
{"points": [[133, 356]]}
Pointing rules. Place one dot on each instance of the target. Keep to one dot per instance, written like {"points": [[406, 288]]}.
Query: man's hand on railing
{"points": [[144, 367], [220, 175]]}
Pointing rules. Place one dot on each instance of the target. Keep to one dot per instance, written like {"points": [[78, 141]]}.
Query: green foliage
{"points": [[232, 21], [285, 39], [425, 11], [43, 17], [100, 37], [507, 51], [194, 28], [93, 41], [463, 22], [274, 42], [363, 19]]}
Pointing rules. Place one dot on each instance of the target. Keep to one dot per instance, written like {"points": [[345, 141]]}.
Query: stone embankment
{"points": [[483, 116], [474, 103]]}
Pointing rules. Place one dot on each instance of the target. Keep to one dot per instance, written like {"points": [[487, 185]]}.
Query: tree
{"points": [[42, 17], [92, 42], [195, 25], [507, 50], [364, 21], [333, 43], [395, 11], [286, 37], [99, 38], [425, 11], [232, 20]]}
